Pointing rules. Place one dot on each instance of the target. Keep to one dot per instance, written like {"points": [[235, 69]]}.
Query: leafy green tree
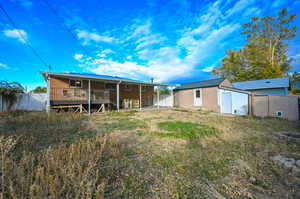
{"points": [[265, 53], [295, 79], [8, 91], [40, 89]]}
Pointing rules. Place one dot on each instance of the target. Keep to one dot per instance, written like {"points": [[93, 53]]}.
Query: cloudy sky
{"points": [[172, 41]]}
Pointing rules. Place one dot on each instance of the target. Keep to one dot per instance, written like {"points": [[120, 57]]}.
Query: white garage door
{"points": [[234, 102]]}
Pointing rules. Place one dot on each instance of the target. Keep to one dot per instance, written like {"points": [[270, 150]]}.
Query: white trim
{"points": [[201, 96]]}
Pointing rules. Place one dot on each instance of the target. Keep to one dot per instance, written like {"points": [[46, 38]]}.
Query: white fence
{"points": [[164, 100], [26, 101]]}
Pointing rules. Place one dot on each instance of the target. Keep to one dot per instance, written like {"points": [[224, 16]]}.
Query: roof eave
{"points": [[103, 78]]}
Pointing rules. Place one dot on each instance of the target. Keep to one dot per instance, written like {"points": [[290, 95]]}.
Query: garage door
{"points": [[226, 102], [234, 102]]}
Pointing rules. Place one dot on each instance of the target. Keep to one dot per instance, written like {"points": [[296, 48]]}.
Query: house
{"points": [[276, 86], [88, 92], [217, 94]]}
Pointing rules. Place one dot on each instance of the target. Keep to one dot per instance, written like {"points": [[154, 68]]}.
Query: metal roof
{"points": [[263, 84], [100, 77], [201, 84]]}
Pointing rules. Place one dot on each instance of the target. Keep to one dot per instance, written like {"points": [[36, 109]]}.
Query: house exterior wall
{"points": [[185, 98], [272, 91], [132, 93], [269, 105]]}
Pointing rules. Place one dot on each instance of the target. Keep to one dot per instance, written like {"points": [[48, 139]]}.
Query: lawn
{"points": [[149, 154]]}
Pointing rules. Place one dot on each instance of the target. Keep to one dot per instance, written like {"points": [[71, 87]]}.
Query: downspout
{"points": [[118, 95]]}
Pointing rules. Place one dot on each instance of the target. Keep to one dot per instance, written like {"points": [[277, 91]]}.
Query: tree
{"points": [[265, 53], [295, 80], [40, 89], [8, 90]]}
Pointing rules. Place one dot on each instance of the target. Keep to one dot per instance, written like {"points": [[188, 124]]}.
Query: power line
{"points": [[55, 12], [23, 37]]}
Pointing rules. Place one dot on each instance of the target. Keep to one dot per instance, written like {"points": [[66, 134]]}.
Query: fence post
{"points": [[1, 104]]}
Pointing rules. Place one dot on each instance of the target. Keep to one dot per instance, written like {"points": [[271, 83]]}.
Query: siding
{"points": [[185, 98], [268, 105], [133, 93]]}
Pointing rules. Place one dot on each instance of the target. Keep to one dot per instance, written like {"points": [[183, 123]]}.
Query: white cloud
{"points": [[16, 34], [4, 66], [105, 52], [88, 37], [297, 56], [143, 36], [207, 69], [239, 6], [166, 62], [78, 56]]}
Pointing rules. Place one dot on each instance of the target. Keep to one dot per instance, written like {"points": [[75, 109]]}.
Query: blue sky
{"points": [[173, 41]]}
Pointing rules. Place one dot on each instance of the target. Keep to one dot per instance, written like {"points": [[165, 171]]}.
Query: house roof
{"points": [[201, 84], [99, 77], [263, 84]]}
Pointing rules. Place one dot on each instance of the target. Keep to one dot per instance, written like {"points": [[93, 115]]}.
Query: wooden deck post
{"points": [[48, 94], [89, 97], [140, 96], [172, 97], [118, 96]]}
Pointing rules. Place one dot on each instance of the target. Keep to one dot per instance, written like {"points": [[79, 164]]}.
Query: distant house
{"points": [[276, 86], [217, 94]]}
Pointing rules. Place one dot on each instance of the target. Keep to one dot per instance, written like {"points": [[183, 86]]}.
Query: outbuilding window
{"points": [[198, 93]]}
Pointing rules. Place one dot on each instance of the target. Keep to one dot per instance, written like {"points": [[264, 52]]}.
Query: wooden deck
{"points": [[75, 96]]}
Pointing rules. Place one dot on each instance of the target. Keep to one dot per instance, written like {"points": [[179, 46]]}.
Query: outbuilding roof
{"points": [[263, 84], [201, 84], [99, 77]]}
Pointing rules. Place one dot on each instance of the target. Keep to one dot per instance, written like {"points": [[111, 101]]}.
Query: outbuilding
{"points": [[216, 94]]}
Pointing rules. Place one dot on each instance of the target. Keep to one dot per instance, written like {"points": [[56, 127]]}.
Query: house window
{"points": [[144, 88], [127, 87], [198, 94], [110, 86], [75, 83]]}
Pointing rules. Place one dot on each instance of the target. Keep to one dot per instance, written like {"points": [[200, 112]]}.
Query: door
{"points": [[226, 102], [197, 97]]}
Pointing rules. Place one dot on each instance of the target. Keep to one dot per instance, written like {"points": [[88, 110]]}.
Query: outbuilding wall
{"points": [[269, 105], [185, 98]]}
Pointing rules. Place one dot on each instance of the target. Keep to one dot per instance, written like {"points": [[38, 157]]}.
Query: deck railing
{"points": [[79, 95]]}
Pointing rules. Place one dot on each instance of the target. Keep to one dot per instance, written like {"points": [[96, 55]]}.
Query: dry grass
{"points": [[123, 155]]}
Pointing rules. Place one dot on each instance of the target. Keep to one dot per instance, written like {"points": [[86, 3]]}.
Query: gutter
{"points": [[98, 78]]}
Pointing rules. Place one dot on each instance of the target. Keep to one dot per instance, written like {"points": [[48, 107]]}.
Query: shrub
{"points": [[75, 171]]}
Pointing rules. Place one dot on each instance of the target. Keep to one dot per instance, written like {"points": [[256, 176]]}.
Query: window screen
{"points": [[75, 83], [198, 94]]}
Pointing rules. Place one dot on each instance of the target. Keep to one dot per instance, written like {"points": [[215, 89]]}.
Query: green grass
{"points": [[122, 113], [181, 110], [125, 124], [186, 130]]}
